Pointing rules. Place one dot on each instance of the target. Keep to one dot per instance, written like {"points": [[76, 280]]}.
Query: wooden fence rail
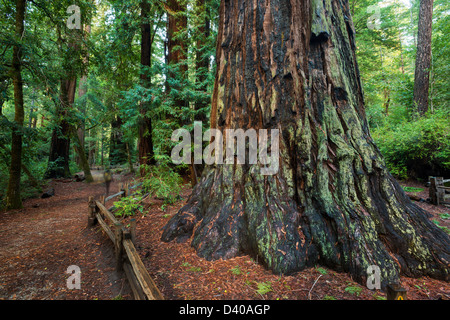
{"points": [[127, 258], [439, 193]]}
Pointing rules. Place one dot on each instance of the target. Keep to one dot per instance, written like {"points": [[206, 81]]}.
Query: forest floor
{"points": [[39, 242]]}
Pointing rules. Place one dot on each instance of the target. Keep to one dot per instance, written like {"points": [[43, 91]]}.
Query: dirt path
{"points": [[39, 242]]}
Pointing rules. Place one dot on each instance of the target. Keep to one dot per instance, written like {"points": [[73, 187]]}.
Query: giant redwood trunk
{"points": [[423, 56], [291, 66]]}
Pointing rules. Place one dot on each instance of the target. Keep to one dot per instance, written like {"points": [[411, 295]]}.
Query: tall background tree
{"points": [[13, 196], [423, 57], [146, 152]]}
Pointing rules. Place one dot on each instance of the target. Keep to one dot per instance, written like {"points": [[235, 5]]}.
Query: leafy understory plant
{"points": [[163, 183], [322, 270], [195, 269], [412, 189], [127, 206], [264, 287], [444, 216], [354, 290], [236, 270], [444, 228]]}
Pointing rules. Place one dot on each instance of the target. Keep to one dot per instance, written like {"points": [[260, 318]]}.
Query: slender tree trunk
{"points": [[98, 150], [82, 90], [423, 57], [78, 136], [89, 149], [291, 65], [118, 153], [202, 62], [176, 50], [79, 148], [130, 162], [13, 198], [3, 88], [145, 143], [58, 162], [387, 100], [32, 179], [401, 53], [412, 24]]}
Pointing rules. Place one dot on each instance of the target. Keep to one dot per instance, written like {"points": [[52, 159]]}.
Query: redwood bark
{"points": [[145, 144], [176, 50], [79, 134], [58, 161], [117, 146], [291, 65], [423, 56], [13, 198], [82, 90]]}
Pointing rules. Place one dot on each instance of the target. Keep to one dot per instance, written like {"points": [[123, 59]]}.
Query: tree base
{"points": [[232, 212]]}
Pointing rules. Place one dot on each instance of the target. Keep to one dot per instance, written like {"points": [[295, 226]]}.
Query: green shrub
{"points": [[128, 206], [412, 189], [162, 182], [236, 270], [264, 287], [416, 147], [353, 290]]}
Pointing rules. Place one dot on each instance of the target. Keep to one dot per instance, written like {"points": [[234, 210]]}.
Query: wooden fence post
{"points": [[133, 230], [127, 190], [395, 292], [127, 258], [92, 220], [118, 245], [433, 190], [440, 192], [121, 188]]}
